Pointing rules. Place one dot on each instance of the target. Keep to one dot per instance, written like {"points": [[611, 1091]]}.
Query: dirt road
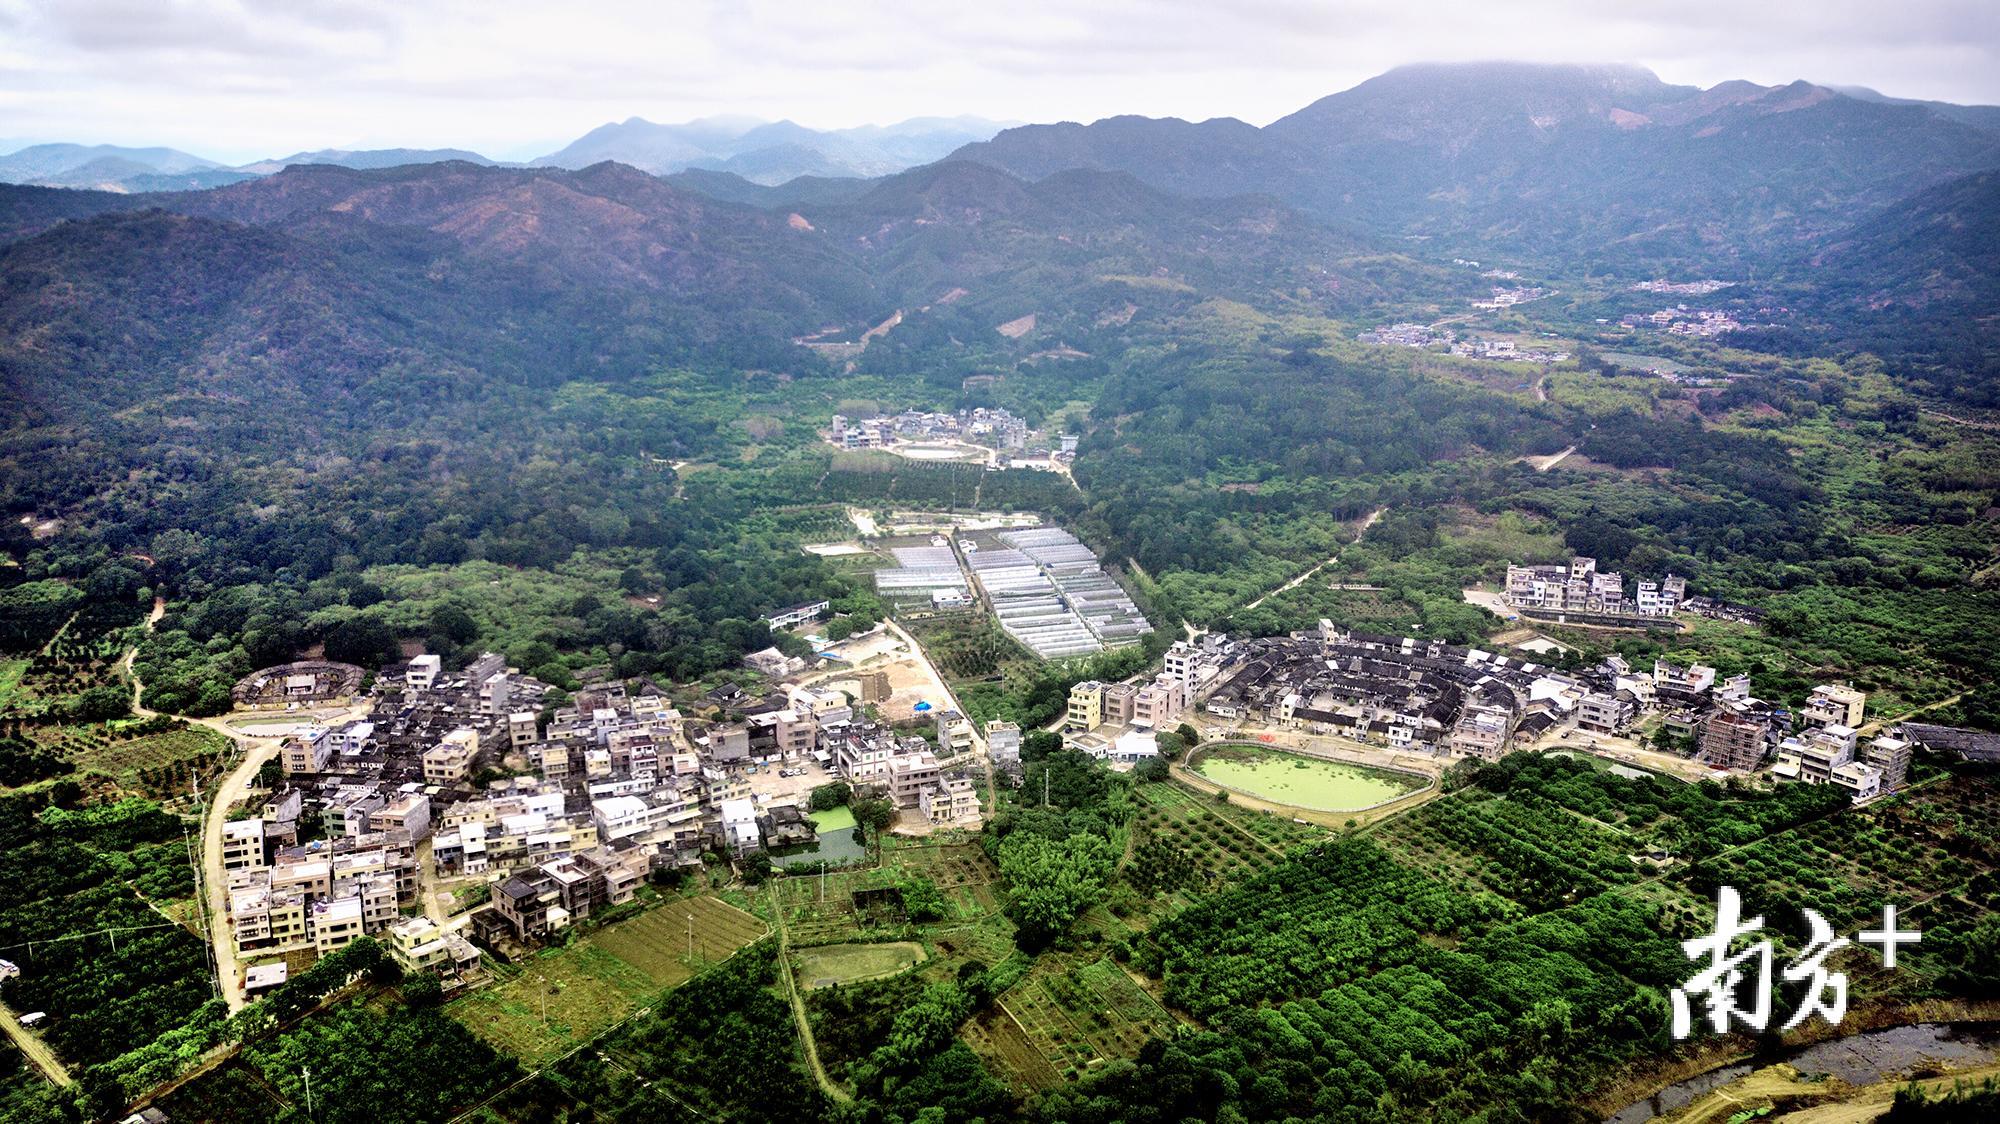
{"points": [[944, 692], [1366, 523], [215, 879], [35, 1049], [826, 1083]]}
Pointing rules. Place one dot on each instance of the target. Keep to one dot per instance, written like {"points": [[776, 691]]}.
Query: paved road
{"points": [[944, 692], [36, 1050], [215, 878]]}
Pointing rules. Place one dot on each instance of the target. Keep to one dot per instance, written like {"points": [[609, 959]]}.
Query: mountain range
{"points": [[1866, 212], [1553, 163], [765, 153], [774, 152]]}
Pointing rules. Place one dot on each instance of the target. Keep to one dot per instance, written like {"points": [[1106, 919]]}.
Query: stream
{"points": [[1861, 1059]]}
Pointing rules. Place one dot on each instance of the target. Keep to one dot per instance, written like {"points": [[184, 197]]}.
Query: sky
{"points": [[238, 80]]}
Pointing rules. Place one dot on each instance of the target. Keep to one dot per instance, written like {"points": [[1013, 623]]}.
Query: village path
{"points": [[124, 667], [1369, 521], [826, 1083], [1968, 423], [1543, 464], [1875, 727], [36, 1050]]}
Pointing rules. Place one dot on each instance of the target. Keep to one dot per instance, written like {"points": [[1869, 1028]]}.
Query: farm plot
{"points": [[999, 1040], [561, 998], [1083, 1016], [1909, 851], [1519, 846], [821, 910], [1221, 847], [962, 871], [660, 941], [160, 764]]}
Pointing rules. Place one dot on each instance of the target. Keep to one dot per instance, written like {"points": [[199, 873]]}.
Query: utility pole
{"points": [[544, 981], [307, 1071], [690, 928]]}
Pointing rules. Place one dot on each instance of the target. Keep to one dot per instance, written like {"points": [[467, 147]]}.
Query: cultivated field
{"points": [[1225, 843], [1074, 1019], [658, 942], [555, 1001], [160, 765]]}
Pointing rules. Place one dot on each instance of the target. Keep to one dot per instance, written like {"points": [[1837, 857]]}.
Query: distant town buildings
{"points": [[1508, 298], [1682, 288], [1681, 320], [995, 428]]}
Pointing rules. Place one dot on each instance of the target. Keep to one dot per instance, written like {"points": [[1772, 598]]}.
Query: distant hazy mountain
{"points": [[771, 152], [366, 158], [101, 166], [804, 190], [1982, 116], [1596, 165]]}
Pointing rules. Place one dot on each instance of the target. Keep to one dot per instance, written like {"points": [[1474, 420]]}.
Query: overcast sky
{"points": [[242, 79]]}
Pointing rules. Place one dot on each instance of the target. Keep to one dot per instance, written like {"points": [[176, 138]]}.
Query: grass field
{"points": [[10, 680], [825, 965], [564, 997], [1304, 782]]}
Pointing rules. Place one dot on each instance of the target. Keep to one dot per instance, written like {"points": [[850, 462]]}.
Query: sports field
{"points": [[1304, 782], [825, 965]]}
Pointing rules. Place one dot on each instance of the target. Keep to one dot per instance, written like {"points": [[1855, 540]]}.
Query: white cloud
{"points": [[247, 78]]}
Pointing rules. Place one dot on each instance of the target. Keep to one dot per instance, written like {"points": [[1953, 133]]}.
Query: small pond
{"points": [[839, 844]]}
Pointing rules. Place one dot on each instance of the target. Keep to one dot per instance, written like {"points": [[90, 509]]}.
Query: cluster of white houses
{"points": [[1578, 587], [559, 811], [998, 428]]}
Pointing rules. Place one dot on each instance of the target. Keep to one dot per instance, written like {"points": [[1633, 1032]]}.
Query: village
{"points": [[463, 810], [991, 436]]}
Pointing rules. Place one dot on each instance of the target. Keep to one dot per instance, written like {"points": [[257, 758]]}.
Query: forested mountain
{"points": [[770, 273], [1940, 247], [1918, 282], [1600, 165]]}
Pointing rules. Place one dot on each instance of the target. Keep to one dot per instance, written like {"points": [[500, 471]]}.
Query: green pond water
{"points": [[837, 845], [1305, 782]]}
